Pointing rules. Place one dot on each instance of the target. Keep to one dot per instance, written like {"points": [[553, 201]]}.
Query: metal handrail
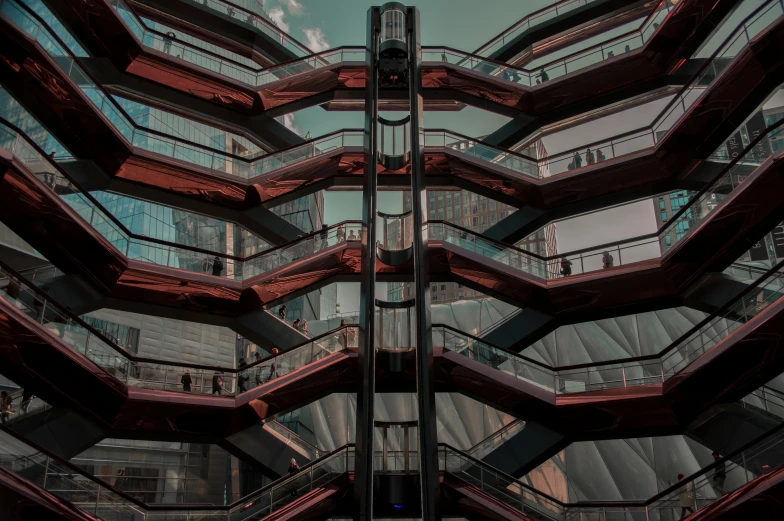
{"points": [[672, 488], [264, 19], [245, 159], [664, 227], [125, 354], [178, 506], [520, 22], [751, 287], [162, 242]]}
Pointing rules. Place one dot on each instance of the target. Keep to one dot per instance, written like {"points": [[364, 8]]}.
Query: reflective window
{"points": [[393, 25]]}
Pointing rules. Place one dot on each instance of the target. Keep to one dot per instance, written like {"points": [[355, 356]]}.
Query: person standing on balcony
{"points": [[217, 384], [167, 41], [293, 469], [589, 157], [719, 475], [566, 266], [343, 335], [578, 160], [296, 249], [324, 237], [282, 312], [686, 497], [5, 406], [257, 361], [217, 266], [186, 381], [242, 377], [121, 482], [274, 366], [607, 260], [27, 397], [305, 327], [295, 324]]}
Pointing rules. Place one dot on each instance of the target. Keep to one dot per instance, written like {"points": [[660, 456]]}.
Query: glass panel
{"points": [[96, 497], [396, 231], [169, 376]]}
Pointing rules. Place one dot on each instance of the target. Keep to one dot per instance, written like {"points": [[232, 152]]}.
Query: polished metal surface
{"points": [[366, 353], [425, 383]]}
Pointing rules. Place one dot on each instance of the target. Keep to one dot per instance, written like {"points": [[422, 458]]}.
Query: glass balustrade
{"points": [[280, 493], [163, 375], [261, 22], [724, 324], [232, 9], [396, 231], [496, 440], [608, 256], [395, 327], [741, 467], [702, 489], [767, 399], [614, 47], [163, 253], [625, 252], [510, 491], [536, 18], [250, 167], [462, 145], [292, 438], [602, 376], [630, 142], [65, 482], [560, 67], [249, 76], [94, 496]]}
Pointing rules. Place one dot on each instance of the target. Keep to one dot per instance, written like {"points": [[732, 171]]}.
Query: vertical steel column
{"points": [[428, 441], [363, 477]]}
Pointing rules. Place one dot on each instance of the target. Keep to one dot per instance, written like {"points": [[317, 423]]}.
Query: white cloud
{"points": [[315, 39], [277, 15], [293, 6], [288, 122]]}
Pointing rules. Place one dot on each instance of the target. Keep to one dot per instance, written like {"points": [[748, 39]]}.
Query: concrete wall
{"points": [[177, 340]]}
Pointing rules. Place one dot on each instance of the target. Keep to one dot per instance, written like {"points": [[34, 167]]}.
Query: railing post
{"points": [[623, 371], [46, 471], [43, 312]]}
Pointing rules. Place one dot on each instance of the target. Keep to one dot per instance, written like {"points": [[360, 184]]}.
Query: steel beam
{"points": [[366, 353], [426, 397]]}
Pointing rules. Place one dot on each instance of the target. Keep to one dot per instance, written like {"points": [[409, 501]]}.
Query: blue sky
{"points": [[324, 24], [462, 24]]}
